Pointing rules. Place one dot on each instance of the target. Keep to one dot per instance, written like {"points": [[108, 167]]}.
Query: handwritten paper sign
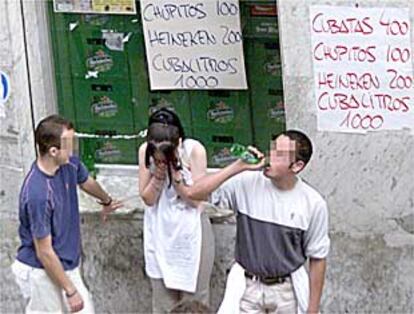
{"points": [[194, 44], [362, 68]]}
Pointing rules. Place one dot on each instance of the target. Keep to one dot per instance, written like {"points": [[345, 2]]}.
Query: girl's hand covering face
{"points": [[159, 168]]}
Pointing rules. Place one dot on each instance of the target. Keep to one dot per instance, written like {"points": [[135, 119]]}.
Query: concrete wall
{"points": [[367, 180]]}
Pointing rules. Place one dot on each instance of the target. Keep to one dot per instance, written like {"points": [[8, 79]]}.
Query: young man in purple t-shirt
{"points": [[47, 263]]}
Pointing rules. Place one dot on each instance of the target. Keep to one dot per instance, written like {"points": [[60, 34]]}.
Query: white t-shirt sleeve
{"points": [[317, 241], [225, 195]]}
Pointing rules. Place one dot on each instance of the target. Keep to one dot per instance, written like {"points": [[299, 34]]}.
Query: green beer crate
{"points": [[220, 110], [102, 102], [218, 143]]}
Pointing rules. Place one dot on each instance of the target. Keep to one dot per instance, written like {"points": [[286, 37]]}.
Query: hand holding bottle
{"points": [[249, 155]]}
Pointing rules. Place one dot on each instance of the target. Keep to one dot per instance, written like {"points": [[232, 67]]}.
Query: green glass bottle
{"points": [[243, 153]]}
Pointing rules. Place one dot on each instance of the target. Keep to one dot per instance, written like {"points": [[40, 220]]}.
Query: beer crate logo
{"points": [[272, 66], [104, 107], [276, 111], [100, 62], [266, 28], [220, 112], [108, 152], [222, 156]]}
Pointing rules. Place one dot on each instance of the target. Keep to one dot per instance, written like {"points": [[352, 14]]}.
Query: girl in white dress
{"points": [[178, 238]]}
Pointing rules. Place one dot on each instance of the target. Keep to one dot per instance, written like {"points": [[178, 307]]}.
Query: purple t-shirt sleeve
{"points": [[81, 171], [39, 213]]}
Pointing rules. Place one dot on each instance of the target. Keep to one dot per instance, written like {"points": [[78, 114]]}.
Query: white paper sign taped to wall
{"points": [[194, 44], [362, 62]]}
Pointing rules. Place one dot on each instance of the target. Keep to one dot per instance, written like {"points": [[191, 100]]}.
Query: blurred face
{"points": [[282, 159], [66, 146]]}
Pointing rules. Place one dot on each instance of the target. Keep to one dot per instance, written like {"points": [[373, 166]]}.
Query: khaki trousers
{"points": [[275, 299]]}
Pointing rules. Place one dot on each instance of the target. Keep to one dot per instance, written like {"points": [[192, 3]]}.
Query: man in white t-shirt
{"points": [[282, 222]]}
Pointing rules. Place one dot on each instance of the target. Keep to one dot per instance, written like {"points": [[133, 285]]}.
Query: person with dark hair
{"points": [[282, 222], [47, 263], [178, 238]]}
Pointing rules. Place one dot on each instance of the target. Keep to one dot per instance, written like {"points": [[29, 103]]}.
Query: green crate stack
{"points": [[99, 105], [265, 80], [104, 104]]}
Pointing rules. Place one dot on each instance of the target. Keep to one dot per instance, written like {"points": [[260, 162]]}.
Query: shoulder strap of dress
{"points": [[185, 152]]}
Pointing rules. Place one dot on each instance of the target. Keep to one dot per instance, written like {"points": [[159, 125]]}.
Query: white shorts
{"points": [[43, 295]]}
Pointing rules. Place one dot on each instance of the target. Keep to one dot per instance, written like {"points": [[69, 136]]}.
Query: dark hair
{"points": [[303, 149], [163, 138], [169, 117], [49, 131], [190, 306]]}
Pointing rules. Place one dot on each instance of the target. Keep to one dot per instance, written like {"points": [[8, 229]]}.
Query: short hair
{"points": [[169, 117], [303, 145], [190, 306], [49, 131]]}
